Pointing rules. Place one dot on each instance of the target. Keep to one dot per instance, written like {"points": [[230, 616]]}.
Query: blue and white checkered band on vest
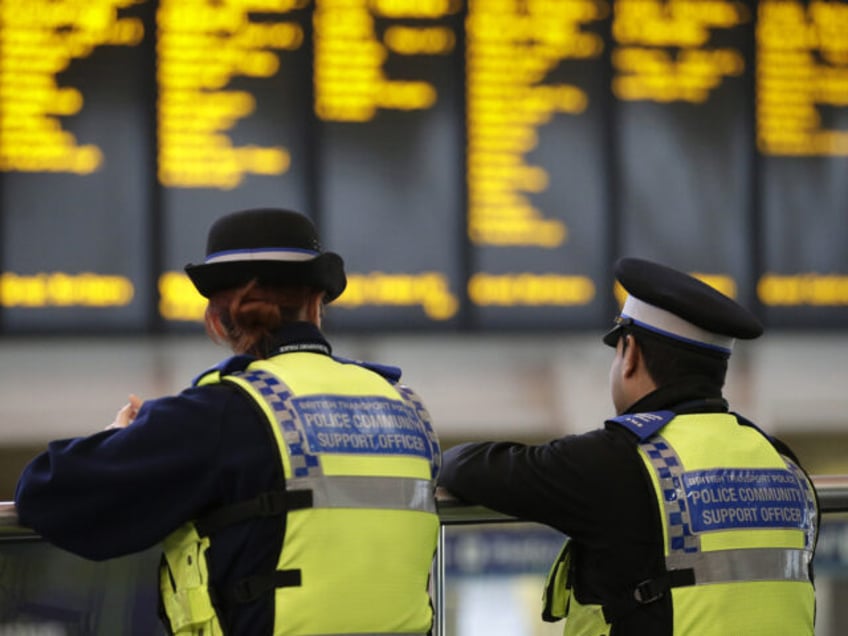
{"points": [[417, 405], [669, 471], [278, 396]]}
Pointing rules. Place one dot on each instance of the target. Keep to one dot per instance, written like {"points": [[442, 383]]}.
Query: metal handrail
{"points": [[832, 491]]}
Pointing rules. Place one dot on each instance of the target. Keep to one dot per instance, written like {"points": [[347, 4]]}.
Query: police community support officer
{"points": [[683, 517], [293, 490]]}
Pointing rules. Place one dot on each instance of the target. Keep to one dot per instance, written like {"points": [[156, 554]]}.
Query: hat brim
{"points": [[325, 272], [610, 338]]}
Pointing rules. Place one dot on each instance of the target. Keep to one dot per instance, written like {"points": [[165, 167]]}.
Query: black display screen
{"points": [[75, 152], [234, 113], [537, 166], [802, 136], [479, 165], [684, 128], [389, 95]]}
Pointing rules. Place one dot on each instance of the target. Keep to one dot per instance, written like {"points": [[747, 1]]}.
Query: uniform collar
{"points": [[682, 397], [298, 336]]}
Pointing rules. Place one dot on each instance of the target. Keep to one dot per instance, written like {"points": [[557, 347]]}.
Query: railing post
{"points": [[439, 619]]}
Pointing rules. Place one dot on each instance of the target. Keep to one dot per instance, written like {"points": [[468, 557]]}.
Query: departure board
{"points": [[233, 125], [479, 164], [802, 135], [684, 130], [388, 94], [75, 141], [538, 214]]}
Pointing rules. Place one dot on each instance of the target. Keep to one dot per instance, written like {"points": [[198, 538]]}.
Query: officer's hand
{"points": [[127, 413]]}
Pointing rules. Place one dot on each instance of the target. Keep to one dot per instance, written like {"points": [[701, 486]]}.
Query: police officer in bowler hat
{"points": [[292, 491]]}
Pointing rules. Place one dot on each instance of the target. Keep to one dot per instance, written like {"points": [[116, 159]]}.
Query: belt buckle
{"points": [[647, 592]]}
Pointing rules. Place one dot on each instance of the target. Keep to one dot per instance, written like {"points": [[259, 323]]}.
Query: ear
{"points": [[213, 322], [631, 357]]}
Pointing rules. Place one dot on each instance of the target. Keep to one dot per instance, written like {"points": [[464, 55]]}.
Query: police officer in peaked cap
{"points": [[273, 505], [681, 517]]}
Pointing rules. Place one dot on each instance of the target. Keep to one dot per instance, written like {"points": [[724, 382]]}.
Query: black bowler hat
{"points": [[276, 247], [680, 307]]}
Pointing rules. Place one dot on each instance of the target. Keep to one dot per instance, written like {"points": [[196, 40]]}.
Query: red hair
{"points": [[244, 318]]}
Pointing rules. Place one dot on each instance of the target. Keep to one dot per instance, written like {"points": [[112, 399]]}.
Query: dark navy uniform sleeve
{"points": [[121, 491], [591, 487], [582, 485]]}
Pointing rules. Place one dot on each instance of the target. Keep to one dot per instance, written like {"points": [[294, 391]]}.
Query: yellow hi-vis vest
{"points": [[739, 525], [359, 456]]}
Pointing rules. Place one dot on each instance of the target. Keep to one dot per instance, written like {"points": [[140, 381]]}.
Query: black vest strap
{"points": [[268, 504], [653, 589], [253, 587], [648, 591]]}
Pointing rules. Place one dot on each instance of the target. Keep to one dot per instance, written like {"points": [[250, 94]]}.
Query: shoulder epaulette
{"points": [[643, 425], [389, 372], [232, 364]]}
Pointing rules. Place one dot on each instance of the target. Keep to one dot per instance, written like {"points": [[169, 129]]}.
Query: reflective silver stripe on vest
{"points": [[399, 493], [751, 564]]}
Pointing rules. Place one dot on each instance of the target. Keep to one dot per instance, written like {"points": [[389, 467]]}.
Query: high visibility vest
{"points": [[739, 526], [359, 456]]}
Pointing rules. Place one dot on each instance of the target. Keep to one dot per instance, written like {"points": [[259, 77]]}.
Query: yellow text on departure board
{"points": [[62, 289], [808, 289], [530, 290], [511, 47], [38, 40], [802, 54], [428, 290], [663, 51], [350, 79], [201, 46], [179, 299]]}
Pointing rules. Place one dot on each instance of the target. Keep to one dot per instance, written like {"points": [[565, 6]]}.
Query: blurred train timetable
{"points": [[40, 40], [478, 163]]}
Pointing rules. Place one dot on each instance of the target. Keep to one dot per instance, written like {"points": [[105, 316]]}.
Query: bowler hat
{"points": [[680, 308], [273, 246]]}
